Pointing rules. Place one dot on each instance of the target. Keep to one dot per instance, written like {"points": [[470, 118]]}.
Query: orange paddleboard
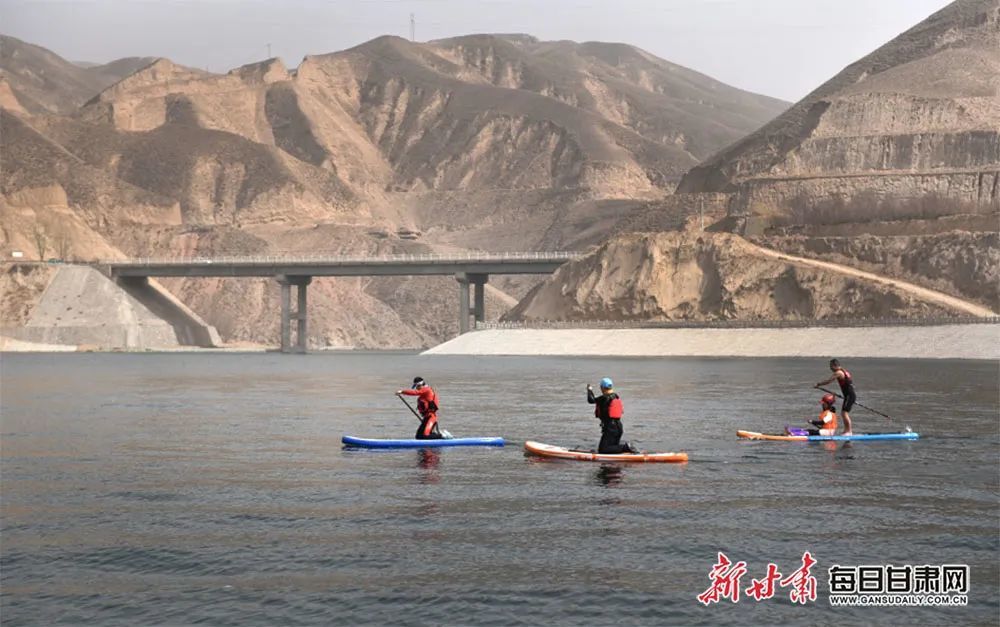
{"points": [[558, 452], [753, 435]]}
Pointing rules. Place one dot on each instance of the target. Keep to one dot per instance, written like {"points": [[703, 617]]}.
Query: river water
{"points": [[212, 488]]}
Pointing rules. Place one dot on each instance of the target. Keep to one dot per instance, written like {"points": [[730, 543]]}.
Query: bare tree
{"points": [[41, 241], [64, 246]]}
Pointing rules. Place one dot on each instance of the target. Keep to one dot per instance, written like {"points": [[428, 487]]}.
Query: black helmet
{"points": [[418, 381]]}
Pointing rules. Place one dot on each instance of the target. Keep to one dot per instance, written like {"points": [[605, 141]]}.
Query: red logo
{"points": [[761, 589], [725, 577], [802, 583], [725, 581]]}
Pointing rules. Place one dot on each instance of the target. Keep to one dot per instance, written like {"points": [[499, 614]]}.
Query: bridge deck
{"points": [[392, 265]]}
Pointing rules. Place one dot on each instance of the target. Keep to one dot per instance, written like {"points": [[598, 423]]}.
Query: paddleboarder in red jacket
{"points": [[427, 405]]}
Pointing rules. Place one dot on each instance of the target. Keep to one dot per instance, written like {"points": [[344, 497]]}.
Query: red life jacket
{"points": [[846, 382], [427, 402], [615, 408]]}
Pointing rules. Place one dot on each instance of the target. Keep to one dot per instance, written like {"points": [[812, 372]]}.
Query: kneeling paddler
{"points": [[609, 410]]}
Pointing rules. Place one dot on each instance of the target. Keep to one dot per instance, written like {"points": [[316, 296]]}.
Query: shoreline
{"points": [[952, 341], [956, 341]]}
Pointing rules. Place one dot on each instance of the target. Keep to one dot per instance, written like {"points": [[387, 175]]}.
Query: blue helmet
{"points": [[607, 384]]}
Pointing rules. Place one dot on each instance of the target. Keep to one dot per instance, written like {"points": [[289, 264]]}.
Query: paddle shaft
{"points": [[858, 404], [412, 411]]}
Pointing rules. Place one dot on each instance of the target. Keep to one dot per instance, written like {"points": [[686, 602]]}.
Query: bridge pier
{"points": [[300, 313], [478, 306]]}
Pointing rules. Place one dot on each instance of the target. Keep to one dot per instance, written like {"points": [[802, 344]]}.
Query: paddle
{"points": [[412, 411], [444, 432], [887, 417]]}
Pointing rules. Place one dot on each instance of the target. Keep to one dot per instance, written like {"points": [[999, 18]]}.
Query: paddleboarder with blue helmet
{"points": [[609, 410]]}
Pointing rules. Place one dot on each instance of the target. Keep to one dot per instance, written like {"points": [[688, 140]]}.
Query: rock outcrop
{"points": [[918, 117], [961, 263], [686, 275]]}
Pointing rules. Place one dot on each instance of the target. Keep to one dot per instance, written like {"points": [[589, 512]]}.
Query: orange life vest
{"points": [[829, 419]]}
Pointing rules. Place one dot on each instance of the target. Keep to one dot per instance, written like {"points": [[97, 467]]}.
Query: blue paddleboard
{"points": [[350, 440], [800, 435], [907, 435]]}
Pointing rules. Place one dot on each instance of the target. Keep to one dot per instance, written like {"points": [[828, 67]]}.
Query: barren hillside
{"points": [[47, 189], [689, 275], [504, 142], [626, 128], [42, 81], [891, 166], [391, 146], [919, 116], [216, 176], [657, 99]]}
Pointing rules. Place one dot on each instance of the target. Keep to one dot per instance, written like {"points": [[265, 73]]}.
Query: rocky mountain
{"points": [[920, 116], [484, 142], [655, 98], [892, 166], [505, 115], [37, 80], [505, 142], [902, 168]]}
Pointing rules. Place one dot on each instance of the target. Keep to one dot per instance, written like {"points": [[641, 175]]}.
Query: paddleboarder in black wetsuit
{"points": [[846, 382], [609, 409]]}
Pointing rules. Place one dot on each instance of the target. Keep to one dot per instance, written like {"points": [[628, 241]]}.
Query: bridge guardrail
{"points": [[344, 260], [734, 324]]}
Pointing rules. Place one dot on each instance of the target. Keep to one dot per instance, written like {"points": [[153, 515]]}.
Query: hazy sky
{"points": [[782, 48]]}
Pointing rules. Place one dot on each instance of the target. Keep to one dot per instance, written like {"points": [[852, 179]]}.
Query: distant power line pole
{"points": [[268, 51], [413, 27]]}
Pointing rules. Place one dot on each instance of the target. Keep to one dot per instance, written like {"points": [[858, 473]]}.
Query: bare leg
{"points": [[847, 424]]}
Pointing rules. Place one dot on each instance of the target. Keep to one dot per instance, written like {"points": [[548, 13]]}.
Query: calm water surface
{"points": [[177, 489]]}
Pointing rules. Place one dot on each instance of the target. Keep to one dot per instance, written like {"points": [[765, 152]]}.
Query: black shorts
{"points": [[849, 399]]}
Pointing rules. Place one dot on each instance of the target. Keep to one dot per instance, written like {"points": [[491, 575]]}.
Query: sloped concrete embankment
{"points": [[189, 328], [82, 307], [954, 341]]}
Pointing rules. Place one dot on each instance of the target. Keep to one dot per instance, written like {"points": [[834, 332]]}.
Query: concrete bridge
{"points": [[299, 270]]}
